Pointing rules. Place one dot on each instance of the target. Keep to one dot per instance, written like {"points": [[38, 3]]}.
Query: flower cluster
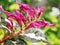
{"points": [[29, 20]]}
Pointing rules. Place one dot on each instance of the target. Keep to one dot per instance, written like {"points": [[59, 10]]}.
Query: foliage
{"points": [[55, 3]]}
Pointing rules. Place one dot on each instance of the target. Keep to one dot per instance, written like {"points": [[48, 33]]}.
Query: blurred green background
{"points": [[51, 14]]}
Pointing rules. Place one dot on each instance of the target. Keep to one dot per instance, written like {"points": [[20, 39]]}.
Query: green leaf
{"points": [[46, 28], [53, 19], [13, 6], [1, 34]]}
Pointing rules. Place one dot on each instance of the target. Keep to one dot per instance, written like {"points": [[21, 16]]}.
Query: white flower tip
{"points": [[7, 21], [1, 9]]}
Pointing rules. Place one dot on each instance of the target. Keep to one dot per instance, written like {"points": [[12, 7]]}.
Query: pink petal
{"points": [[39, 24], [15, 17], [24, 7], [28, 17], [9, 14], [35, 10], [32, 12], [40, 11], [9, 24], [48, 24], [20, 16], [19, 21], [36, 24], [20, 24]]}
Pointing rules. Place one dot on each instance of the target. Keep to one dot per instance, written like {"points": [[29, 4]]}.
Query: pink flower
{"points": [[31, 14], [34, 13], [21, 16], [24, 7], [40, 12], [38, 24], [15, 17], [8, 14], [9, 24], [31, 17]]}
